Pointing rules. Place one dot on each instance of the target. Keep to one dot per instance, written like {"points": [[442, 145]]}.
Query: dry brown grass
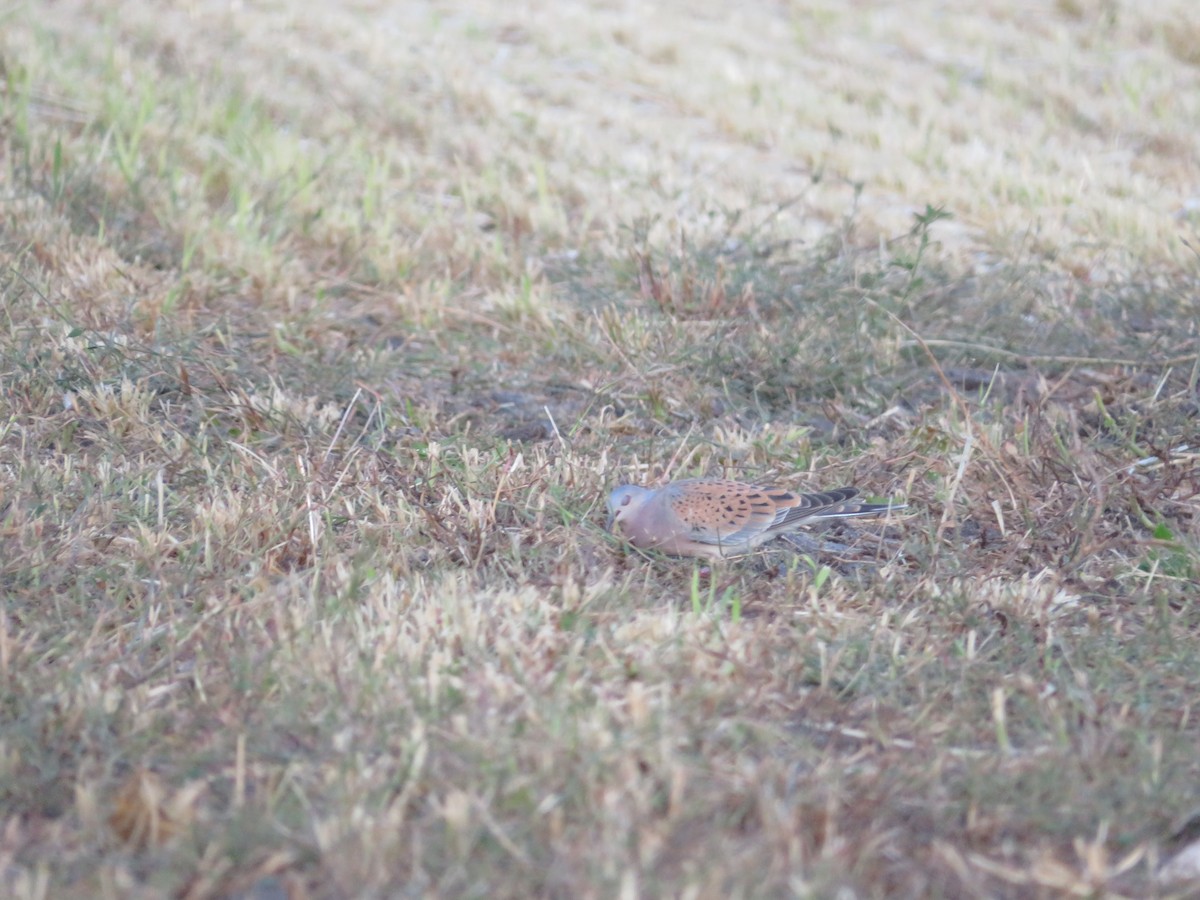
{"points": [[324, 335]]}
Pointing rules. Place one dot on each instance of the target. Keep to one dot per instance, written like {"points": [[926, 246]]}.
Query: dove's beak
{"points": [[608, 525]]}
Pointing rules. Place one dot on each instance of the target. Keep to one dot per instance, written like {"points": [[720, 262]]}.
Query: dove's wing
{"points": [[732, 514]]}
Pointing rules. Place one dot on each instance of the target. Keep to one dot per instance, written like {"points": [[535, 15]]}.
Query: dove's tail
{"points": [[852, 510]]}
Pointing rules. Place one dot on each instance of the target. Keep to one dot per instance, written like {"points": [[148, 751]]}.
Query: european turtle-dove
{"points": [[715, 518]]}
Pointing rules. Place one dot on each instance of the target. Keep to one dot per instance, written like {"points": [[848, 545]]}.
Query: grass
{"points": [[320, 350]]}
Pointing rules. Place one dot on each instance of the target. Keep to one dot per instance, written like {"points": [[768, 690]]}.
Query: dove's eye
{"points": [[625, 500]]}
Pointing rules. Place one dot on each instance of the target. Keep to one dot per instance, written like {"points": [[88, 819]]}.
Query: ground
{"points": [[325, 333]]}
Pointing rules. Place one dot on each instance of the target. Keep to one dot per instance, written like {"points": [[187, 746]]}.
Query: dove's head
{"points": [[623, 501]]}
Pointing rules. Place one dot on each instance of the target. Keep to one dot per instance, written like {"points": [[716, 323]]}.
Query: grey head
{"points": [[620, 499]]}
